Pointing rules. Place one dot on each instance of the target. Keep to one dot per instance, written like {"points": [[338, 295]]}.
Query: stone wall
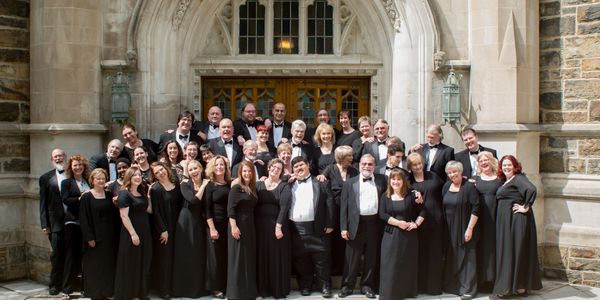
{"points": [[570, 153], [14, 146]]}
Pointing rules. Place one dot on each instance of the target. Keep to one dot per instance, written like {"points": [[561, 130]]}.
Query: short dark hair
{"points": [[467, 130], [393, 148], [298, 159], [185, 114]]}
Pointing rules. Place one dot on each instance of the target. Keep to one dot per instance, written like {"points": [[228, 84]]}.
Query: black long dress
{"points": [[265, 156], [99, 222], [216, 196], [133, 262], [338, 245], [486, 248], [320, 161], [189, 264], [517, 265], [431, 234], [460, 269], [273, 256], [241, 254], [399, 249], [347, 139], [166, 205]]}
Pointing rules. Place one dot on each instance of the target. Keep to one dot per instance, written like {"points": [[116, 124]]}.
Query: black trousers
{"points": [[366, 243], [72, 259], [311, 255], [57, 259]]}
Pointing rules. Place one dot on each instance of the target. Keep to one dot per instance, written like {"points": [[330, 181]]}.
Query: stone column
{"points": [[66, 39], [505, 83]]}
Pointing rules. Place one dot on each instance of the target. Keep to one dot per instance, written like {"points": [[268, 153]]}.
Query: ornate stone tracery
{"points": [[392, 12], [182, 7]]}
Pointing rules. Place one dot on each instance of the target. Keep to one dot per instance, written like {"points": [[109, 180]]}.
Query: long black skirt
{"points": [[399, 264]]}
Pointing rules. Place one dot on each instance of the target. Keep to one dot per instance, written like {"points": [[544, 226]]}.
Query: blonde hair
{"points": [[323, 127], [492, 159], [413, 159], [210, 168], [95, 173]]}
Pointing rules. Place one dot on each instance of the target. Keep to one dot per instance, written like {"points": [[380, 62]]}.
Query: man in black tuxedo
{"points": [[209, 129], [281, 130], [245, 127], [225, 145], [108, 160], [435, 153], [378, 148], [250, 148], [395, 154], [361, 227], [311, 220], [183, 134], [52, 217], [299, 146], [468, 157]]}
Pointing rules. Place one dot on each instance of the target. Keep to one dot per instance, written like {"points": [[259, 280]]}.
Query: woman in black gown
{"points": [[322, 155], [189, 263], [517, 265], [216, 195], [135, 242], [71, 188], [400, 243], [241, 245], [431, 234], [263, 152], [366, 136], [347, 135], [99, 224], [337, 174], [487, 183], [461, 211], [167, 201], [172, 155], [272, 233], [140, 155]]}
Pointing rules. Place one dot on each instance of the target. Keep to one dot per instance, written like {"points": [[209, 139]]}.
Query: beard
{"points": [[366, 173], [59, 167]]}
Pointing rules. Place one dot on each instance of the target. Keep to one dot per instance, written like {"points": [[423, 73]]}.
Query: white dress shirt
{"points": [[382, 150], [277, 133], [430, 159], [229, 151], [302, 208], [182, 142], [252, 131], [112, 169], [368, 200], [296, 151], [213, 132]]}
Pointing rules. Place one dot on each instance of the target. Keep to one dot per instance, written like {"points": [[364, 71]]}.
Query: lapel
{"points": [[316, 194], [53, 183], [426, 153], [375, 150], [356, 190]]}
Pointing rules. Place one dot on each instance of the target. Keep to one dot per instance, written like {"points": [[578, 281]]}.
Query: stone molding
{"points": [[52, 128], [392, 12], [182, 7], [543, 129], [571, 186]]}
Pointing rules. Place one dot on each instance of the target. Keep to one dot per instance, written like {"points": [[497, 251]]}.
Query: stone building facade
{"points": [[530, 84]]}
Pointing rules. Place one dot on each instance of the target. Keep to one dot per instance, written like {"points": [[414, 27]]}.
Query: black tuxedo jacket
{"points": [[70, 194], [100, 161], [165, 137], [52, 213], [287, 133], [373, 149], [306, 151], [444, 154], [350, 207], [381, 169], [240, 128], [260, 168], [218, 148], [202, 126], [464, 158], [323, 205]]}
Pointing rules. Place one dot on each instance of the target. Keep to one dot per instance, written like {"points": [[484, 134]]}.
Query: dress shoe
{"points": [[305, 292], [345, 292], [53, 291], [368, 292], [326, 292], [466, 297]]}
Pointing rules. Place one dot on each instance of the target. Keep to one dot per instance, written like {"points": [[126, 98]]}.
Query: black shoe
{"points": [[166, 297], [53, 291], [466, 297], [345, 292], [305, 292], [368, 292], [326, 292]]}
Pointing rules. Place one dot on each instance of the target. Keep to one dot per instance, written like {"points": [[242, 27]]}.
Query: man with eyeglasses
{"points": [[244, 128]]}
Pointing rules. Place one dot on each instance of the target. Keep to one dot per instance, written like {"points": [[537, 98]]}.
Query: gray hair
{"points": [[453, 164], [298, 123]]}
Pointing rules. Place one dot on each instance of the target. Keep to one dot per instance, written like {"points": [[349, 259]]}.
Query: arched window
{"points": [[252, 28], [320, 28]]}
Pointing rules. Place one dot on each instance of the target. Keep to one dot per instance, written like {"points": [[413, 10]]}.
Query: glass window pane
{"points": [[328, 28], [286, 10], [328, 46], [294, 28], [277, 10], [252, 9], [260, 45], [320, 27], [320, 8], [243, 48], [311, 27], [260, 28], [320, 46], [252, 28], [294, 8], [261, 12], [311, 45], [329, 12], [243, 11], [295, 44], [286, 27], [311, 11], [243, 27], [276, 27], [251, 45]]}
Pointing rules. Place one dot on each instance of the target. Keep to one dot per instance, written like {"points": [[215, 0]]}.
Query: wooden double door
{"points": [[303, 97]]}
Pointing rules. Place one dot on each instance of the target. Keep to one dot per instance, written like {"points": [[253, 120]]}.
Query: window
{"points": [[287, 27], [252, 28], [320, 28]]}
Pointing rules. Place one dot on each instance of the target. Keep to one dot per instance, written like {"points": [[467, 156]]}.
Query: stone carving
{"points": [[182, 7], [438, 60], [392, 13]]}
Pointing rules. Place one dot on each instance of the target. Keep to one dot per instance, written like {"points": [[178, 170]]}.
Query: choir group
{"points": [[236, 208]]}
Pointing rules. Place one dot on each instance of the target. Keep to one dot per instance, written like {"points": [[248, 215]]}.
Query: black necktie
{"points": [[303, 180], [183, 137], [230, 142], [367, 179], [277, 126]]}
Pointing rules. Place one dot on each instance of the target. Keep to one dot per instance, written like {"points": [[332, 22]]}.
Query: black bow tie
{"points": [[304, 180], [367, 179], [380, 143], [214, 126], [60, 171], [250, 124], [476, 151], [295, 145], [434, 146], [112, 161], [390, 168], [183, 137], [230, 142], [277, 126]]}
